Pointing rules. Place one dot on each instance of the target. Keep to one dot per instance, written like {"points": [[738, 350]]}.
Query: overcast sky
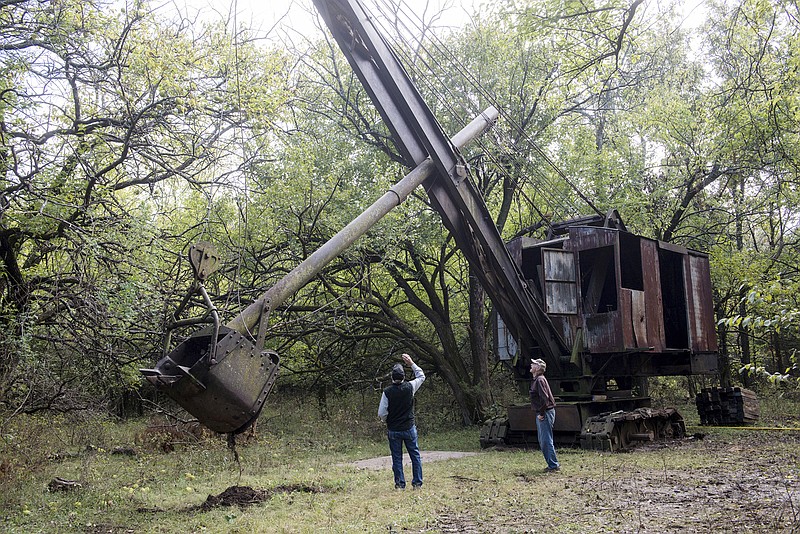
{"points": [[294, 14], [298, 15]]}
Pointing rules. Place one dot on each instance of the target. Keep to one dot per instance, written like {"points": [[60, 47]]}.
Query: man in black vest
{"points": [[397, 411]]}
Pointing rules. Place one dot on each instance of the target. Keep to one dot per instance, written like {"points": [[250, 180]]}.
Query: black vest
{"points": [[401, 406]]}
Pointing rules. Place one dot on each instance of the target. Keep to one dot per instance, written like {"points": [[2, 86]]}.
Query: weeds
{"points": [[296, 472]]}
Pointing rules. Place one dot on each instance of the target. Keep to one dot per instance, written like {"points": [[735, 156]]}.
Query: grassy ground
{"points": [[135, 478]]}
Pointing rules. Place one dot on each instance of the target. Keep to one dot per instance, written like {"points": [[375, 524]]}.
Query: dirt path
{"points": [[385, 462], [749, 482]]}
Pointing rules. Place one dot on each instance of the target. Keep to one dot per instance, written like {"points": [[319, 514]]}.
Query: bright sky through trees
{"points": [[297, 16], [273, 18]]}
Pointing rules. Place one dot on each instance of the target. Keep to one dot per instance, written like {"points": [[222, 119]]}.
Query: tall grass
{"points": [[298, 444], [135, 476]]}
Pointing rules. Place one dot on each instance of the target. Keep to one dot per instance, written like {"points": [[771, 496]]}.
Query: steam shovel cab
{"points": [[631, 308]]}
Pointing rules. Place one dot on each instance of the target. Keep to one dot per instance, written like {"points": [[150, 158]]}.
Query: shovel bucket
{"points": [[226, 392]]}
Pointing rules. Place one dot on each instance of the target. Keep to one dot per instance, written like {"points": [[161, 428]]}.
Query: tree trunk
{"points": [[723, 359], [478, 347], [744, 343], [744, 337], [780, 366]]}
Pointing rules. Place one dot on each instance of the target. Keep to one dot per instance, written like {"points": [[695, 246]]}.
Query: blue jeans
{"points": [[544, 429], [396, 440]]}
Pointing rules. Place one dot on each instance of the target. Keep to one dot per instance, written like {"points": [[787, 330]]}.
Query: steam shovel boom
{"points": [[221, 374]]}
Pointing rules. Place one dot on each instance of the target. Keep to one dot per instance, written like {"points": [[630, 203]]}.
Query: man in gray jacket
{"points": [[544, 405], [397, 411]]}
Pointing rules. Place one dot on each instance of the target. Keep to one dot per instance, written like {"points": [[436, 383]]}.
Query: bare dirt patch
{"points": [[748, 483], [100, 528], [243, 496], [385, 462]]}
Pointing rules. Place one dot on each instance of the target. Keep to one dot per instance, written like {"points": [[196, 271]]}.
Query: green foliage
{"points": [[151, 134], [773, 310], [109, 181], [790, 376], [777, 298]]}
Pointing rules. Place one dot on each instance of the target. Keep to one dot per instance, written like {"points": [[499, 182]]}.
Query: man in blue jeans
{"points": [[397, 411], [544, 405]]}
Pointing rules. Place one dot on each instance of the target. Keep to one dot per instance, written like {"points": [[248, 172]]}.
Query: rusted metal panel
{"points": [[603, 332], [568, 418], [559, 265], [523, 418], [598, 250], [704, 363], [505, 345], [626, 313], [560, 281], [561, 298], [515, 250], [692, 303], [638, 318], [672, 247], [586, 237], [701, 310], [567, 326], [652, 289]]}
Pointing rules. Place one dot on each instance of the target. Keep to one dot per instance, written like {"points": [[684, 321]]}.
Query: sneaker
{"points": [[552, 469], [417, 486], [398, 486]]}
